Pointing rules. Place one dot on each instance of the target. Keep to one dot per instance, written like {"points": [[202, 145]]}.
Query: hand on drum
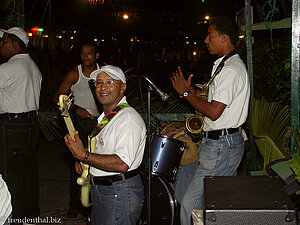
{"points": [[180, 84]]}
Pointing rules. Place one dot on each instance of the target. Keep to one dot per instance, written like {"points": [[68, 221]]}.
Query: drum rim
{"points": [[171, 196], [171, 124], [169, 138]]}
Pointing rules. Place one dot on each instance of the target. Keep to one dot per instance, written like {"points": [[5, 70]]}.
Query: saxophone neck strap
{"points": [[222, 63], [219, 68], [109, 117]]}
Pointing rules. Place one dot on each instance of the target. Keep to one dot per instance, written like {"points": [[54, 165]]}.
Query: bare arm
{"points": [[65, 86], [111, 163], [212, 110]]}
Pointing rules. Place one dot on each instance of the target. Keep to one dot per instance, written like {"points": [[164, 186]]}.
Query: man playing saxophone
{"points": [[225, 110]]}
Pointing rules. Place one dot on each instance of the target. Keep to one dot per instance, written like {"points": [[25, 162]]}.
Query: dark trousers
{"points": [[84, 128], [19, 139]]}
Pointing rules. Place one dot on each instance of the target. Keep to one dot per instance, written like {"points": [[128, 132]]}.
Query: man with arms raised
{"points": [[117, 190], [222, 146]]}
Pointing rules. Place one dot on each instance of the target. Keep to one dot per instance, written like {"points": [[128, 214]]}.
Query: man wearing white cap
{"points": [[20, 85], [85, 110], [117, 190]]}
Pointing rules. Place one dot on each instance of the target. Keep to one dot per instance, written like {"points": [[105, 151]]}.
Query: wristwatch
{"points": [[185, 94]]}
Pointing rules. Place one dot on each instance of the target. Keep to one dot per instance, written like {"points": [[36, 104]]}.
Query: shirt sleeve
{"points": [[127, 142], [4, 77]]}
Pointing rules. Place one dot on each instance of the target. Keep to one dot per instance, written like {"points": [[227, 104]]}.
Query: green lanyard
{"points": [[108, 118]]}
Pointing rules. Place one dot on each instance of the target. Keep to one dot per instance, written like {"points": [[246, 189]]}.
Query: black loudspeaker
{"points": [[247, 200]]}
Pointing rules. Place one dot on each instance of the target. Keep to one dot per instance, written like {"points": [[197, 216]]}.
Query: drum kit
{"points": [[169, 150]]}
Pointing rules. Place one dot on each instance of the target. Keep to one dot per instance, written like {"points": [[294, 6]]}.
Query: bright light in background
{"points": [[74, 31], [71, 38], [30, 34], [194, 53], [187, 42], [131, 39], [37, 29], [95, 39], [125, 16], [242, 36], [206, 17], [195, 43], [102, 40]]}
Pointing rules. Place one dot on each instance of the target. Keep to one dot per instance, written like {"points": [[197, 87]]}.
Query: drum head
{"points": [[162, 203]]}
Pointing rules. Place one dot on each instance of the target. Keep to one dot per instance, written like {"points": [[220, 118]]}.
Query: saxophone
{"points": [[195, 123]]}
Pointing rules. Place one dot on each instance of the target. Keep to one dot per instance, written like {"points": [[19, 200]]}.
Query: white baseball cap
{"points": [[113, 71], [19, 32]]}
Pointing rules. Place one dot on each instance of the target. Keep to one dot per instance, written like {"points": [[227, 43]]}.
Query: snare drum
{"points": [[166, 154]]}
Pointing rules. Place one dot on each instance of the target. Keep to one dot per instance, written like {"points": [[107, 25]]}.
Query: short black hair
{"points": [[15, 38], [91, 44], [225, 25]]}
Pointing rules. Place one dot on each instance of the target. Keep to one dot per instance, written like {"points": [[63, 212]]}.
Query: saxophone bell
{"points": [[194, 125]]}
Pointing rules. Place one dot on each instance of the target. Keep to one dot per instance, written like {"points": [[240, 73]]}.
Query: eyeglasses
{"points": [[110, 83]]}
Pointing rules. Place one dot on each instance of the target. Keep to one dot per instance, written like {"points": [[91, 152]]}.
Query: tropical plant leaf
{"points": [[268, 150], [270, 125], [48, 117], [295, 165]]}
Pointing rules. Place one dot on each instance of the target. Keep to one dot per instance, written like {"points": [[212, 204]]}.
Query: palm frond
{"points": [[295, 165], [48, 117], [270, 124]]}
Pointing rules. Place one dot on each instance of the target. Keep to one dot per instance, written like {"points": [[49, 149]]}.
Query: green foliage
{"points": [[295, 165], [271, 69], [270, 126], [9, 13]]}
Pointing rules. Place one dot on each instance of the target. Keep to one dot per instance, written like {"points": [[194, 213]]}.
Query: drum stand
{"points": [[149, 151]]}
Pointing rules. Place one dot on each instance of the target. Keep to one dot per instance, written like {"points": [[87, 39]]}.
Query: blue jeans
{"points": [[216, 158], [118, 204], [19, 138]]}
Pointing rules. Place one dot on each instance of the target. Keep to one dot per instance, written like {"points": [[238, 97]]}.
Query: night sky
{"points": [[81, 13]]}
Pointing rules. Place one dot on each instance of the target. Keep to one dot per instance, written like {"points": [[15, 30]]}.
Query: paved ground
{"points": [[54, 183]]}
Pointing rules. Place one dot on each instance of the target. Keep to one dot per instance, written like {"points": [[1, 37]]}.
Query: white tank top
{"points": [[83, 96]]}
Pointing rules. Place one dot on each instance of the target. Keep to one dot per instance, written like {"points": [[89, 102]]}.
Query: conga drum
{"points": [[177, 131]]}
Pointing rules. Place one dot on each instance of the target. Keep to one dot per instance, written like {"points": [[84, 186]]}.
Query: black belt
{"points": [[215, 134], [29, 114], [108, 180]]}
